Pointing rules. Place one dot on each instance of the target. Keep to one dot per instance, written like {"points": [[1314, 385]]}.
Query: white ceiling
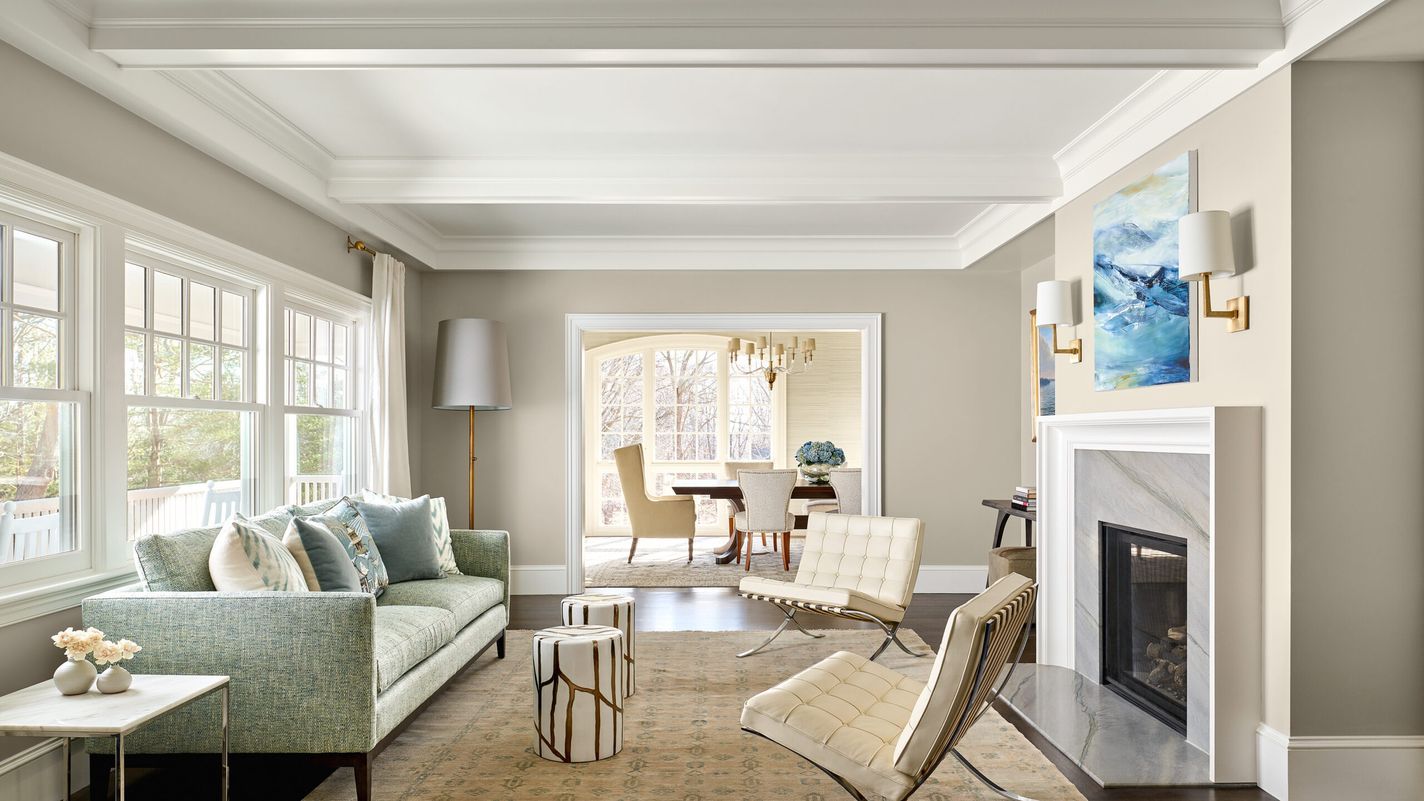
{"points": [[698, 134], [548, 113]]}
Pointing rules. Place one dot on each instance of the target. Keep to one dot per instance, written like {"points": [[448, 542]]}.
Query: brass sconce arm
{"points": [[1237, 309], [1075, 348]]}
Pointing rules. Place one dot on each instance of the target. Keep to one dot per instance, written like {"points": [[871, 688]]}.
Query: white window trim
{"points": [[357, 317], [868, 325], [646, 345], [109, 229]]}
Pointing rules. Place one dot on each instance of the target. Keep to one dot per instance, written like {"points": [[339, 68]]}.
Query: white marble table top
{"points": [[41, 710]]}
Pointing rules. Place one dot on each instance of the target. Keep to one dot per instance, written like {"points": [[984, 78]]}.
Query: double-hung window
{"points": [[322, 409], [693, 412], [189, 381], [40, 405]]}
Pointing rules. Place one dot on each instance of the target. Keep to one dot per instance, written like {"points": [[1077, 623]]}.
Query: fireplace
{"points": [[1144, 620]]}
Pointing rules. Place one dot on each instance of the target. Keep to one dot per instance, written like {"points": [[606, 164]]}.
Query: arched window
{"points": [[692, 411]]}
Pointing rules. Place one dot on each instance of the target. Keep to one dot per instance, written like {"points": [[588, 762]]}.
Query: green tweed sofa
{"points": [[331, 676]]}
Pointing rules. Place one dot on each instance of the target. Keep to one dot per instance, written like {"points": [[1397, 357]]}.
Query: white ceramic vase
{"points": [[114, 680], [75, 676]]}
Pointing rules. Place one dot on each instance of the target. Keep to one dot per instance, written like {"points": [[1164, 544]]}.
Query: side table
{"points": [[41, 711], [1006, 509]]}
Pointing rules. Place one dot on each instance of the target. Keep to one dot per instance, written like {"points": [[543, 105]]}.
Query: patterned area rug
{"points": [[663, 563], [682, 739]]}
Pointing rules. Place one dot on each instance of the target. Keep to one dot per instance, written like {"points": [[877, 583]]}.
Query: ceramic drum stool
{"points": [[578, 692], [601, 609]]}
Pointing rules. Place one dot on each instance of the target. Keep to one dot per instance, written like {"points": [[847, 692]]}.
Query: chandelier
{"points": [[772, 359]]}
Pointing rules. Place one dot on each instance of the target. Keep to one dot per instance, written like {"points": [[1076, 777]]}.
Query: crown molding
{"points": [[1163, 107]]}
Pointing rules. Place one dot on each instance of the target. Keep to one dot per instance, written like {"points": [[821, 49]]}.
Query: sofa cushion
{"points": [[176, 562], [322, 556], [440, 527], [465, 597], [346, 522], [406, 636]]}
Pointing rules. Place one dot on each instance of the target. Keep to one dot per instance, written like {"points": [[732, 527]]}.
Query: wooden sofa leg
{"points": [[499, 646], [99, 767], [363, 777]]}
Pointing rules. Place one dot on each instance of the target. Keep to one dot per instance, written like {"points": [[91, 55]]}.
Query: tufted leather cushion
{"points": [[844, 713], [877, 557], [825, 596]]}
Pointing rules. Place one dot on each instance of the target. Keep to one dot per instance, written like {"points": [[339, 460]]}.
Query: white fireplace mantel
{"points": [[1231, 439]]}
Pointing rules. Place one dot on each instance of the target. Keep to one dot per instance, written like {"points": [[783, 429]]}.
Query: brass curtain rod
{"points": [[357, 244]]}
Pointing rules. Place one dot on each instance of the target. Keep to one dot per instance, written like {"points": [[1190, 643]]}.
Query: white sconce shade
{"points": [[1055, 303], [1205, 246]]}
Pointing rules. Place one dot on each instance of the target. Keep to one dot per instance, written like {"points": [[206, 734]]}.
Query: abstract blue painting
{"points": [[1141, 310]]}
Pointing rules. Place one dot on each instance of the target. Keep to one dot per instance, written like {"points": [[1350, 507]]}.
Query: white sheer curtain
{"points": [[387, 446]]}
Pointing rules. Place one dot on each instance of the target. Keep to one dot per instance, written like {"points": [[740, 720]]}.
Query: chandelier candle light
{"points": [[773, 359]]}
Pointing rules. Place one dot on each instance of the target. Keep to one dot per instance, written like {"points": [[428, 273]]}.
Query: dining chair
{"points": [[882, 734], [845, 481], [730, 470], [663, 516], [767, 497]]}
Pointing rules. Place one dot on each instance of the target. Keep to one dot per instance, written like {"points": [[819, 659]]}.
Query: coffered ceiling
{"points": [[544, 134]]}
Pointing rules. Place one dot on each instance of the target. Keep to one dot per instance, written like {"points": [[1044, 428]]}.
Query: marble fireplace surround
{"points": [[1228, 670]]}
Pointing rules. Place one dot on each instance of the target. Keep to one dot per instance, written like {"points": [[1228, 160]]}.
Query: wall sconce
{"points": [[1206, 250], [1055, 308]]}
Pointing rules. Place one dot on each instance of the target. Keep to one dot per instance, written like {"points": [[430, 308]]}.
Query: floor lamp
{"points": [[471, 374]]}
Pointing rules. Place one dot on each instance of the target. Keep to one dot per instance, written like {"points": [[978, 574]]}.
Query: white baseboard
{"points": [[1384, 768], [952, 578], [538, 580], [38, 772]]}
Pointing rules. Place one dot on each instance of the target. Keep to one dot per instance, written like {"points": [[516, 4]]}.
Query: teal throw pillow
{"points": [[322, 556], [404, 533]]}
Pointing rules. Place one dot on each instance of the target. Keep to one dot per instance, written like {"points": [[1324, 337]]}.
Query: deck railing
{"points": [[33, 528]]}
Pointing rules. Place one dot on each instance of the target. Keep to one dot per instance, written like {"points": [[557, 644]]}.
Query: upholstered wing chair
{"points": [[667, 516]]}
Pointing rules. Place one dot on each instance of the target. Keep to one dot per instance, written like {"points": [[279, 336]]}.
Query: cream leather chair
{"points": [[664, 516], [846, 483], [767, 496], [853, 566], [880, 733]]}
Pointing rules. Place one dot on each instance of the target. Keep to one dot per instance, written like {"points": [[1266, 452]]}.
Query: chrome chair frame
{"points": [[789, 608]]}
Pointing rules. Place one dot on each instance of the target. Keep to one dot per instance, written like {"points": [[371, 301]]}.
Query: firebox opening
{"points": [[1144, 620]]}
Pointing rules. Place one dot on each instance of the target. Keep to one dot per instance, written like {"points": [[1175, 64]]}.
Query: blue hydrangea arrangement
{"points": [[820, 453]]}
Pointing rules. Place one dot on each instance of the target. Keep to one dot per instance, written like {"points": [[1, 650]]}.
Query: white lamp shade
{"points": [[471, 365], [1055, 303], [1205, 245]]}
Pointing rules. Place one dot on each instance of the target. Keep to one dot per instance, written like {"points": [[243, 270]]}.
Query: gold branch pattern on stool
{"points": [[578, 689]]}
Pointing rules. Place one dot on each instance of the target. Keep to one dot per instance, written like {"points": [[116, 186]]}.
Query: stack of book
{"points": [[1025, 498]]}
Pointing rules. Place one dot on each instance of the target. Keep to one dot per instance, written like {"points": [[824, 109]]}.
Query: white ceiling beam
{"points": [[701, 253], [699, 179], [264, 34]]}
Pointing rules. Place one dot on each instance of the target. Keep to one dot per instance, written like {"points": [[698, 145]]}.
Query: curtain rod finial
{"points": [[357, 244]]}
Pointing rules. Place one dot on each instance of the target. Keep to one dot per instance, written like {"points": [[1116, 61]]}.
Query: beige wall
{"points": [[1358, 373], [1244, 166], [951, 418], [824, 404], [64, 127]]}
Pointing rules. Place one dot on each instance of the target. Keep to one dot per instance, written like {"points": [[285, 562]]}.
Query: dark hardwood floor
{"points": [[661, 609]]}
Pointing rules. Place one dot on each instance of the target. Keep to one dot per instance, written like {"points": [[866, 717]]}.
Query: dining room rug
{"points": [[682, 738], [663, 563]]}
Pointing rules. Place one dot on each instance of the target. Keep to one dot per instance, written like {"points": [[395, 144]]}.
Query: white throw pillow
{"points": [[246, 558], [440, 522]]}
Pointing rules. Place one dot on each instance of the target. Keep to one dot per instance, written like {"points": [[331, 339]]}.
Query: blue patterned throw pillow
{"points": [[345, 521]]}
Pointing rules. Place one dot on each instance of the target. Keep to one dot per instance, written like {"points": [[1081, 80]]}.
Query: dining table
{"points": [[727, 489]]}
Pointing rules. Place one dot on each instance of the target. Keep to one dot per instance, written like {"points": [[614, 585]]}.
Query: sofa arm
{"points": [[483, 553], [302, 664]]}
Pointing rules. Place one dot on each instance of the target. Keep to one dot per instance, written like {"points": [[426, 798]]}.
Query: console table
{"points": [[1006, 509], [41, 711]]}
